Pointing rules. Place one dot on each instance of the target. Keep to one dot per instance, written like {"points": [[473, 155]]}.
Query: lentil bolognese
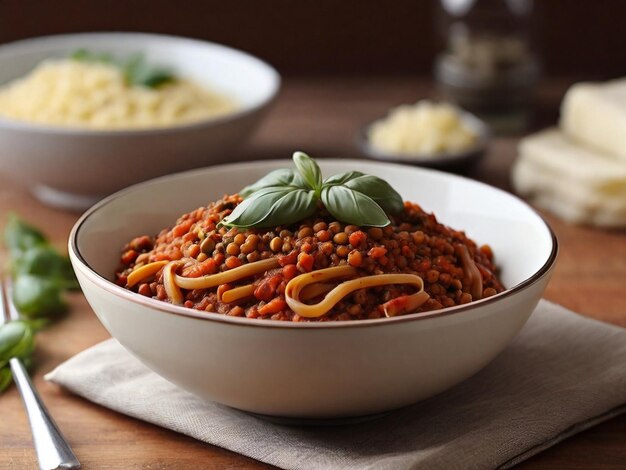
{"points": [[295, 247]]}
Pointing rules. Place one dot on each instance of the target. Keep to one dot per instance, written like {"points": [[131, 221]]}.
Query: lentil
{"points": [[340, 238], [232, 249], [323, 235], [414, 243], [276, 244]]}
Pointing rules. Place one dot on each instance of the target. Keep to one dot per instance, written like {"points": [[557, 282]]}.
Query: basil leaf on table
{"points": [[20, 236], [40, 276], [36, 296], [353, 207], [44, 260], [16, 340], [5, 377]]}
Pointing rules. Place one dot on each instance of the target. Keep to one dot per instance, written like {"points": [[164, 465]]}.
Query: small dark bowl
{"points": [[456, 162]]}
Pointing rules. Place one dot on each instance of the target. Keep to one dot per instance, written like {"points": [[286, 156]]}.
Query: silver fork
{"points": [[52, 449]]}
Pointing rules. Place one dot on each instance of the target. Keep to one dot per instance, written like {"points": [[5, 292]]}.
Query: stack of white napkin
{"points": [[578, 172]]}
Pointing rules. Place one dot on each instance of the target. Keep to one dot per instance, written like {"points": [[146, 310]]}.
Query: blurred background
{"points": [[574, 38], [347, 63]]}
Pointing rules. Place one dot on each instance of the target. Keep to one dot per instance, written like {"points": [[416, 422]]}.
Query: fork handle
{"points": [[52, 449]]}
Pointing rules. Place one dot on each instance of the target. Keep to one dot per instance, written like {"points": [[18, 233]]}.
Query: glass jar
{"points": [[487, 65]]}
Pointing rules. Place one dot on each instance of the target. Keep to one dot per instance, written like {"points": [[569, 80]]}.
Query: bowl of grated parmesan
{"points": [[428, 134]]}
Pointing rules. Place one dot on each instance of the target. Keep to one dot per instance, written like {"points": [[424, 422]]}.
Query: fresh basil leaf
{"points": [[281, 177], [28, 362], [132, 67], [38, 324], [254, 209], [149, 77], [294, 206], [353, 207], [20, 236], [376, 188], [80, 55], [379, 190], [45, 260], [138, 72], [5, 377], [272, 206], [155, 78], [341, 178], [136, 69], [84, 55], [16, 340], [36, 296], [284, 196], [309, 170]]}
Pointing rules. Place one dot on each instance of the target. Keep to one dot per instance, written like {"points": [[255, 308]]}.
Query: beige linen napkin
{"points": [[563, 373]]}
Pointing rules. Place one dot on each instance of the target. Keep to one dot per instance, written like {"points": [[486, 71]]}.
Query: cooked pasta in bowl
{"points": [[119, 108], [270, 286], [316, 268]]}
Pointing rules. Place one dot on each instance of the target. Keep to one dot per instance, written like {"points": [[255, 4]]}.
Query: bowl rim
{"points": [[438, 160], [167, 308], [25, 126]]}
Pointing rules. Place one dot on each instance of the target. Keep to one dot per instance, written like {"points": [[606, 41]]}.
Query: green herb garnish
{"points": [[32, 255], [137, 72], [46, 262], [19, 237], [83, 55], [40, 276], [38, 296], [285, 196], [17, 339]]}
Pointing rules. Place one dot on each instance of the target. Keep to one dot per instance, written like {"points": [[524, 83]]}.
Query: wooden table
{"points": [[319, 116]]}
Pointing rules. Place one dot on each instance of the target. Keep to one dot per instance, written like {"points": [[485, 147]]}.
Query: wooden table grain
{"points": [[319, 116]]}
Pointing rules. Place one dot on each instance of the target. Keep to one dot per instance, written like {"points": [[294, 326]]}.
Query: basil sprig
{"points": [[286, 196], [40, 275], [17, 339]]}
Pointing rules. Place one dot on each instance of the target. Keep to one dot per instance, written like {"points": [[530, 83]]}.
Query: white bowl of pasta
{"points": [[275, 364], [84, 115]]}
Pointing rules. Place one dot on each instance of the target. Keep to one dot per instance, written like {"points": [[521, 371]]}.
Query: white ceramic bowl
{"points": [[72, 167], [315, 370]]}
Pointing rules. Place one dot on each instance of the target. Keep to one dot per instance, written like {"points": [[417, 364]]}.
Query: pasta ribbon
{"points": [[313, 290], [169, 282], [297, 284], [237, 293], [144, 272], [232, 275], [472, 274]]}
